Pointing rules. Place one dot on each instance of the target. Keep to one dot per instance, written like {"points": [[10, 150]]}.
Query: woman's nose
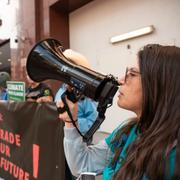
{"points": [[121, 81]]}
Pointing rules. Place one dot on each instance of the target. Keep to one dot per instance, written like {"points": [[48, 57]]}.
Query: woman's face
{"points": [[130, 91]]}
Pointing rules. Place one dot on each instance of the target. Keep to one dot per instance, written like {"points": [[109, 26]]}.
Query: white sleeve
{"points": [[83, 158]]}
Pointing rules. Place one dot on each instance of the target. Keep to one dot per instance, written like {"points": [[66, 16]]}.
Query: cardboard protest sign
{"points": [[31, 142], [16, 90]]}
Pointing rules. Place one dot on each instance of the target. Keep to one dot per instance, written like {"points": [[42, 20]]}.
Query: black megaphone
{"points": [[46, 61]]}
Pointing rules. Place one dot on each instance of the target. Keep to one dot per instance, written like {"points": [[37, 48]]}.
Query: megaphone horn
{"points": [[46, 61]]}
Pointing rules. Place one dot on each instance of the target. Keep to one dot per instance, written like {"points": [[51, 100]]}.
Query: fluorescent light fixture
{"points": [[132, 34]]}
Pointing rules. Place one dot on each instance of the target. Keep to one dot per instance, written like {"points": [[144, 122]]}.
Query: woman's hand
{"points": [[73, 107]]}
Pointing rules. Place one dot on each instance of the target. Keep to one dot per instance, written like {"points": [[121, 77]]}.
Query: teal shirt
{"points": [[125, 141]]}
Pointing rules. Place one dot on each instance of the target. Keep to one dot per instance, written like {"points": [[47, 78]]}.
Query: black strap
{"points": [[63, 97]]}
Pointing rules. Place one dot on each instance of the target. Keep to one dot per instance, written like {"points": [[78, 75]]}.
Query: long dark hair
{"points": [[159, 123]]}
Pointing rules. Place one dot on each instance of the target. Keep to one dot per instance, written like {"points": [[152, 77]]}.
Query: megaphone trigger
{"points": [[74, 95]]}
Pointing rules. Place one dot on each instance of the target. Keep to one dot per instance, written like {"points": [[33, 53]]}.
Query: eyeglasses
{"points": [[130, 73]]}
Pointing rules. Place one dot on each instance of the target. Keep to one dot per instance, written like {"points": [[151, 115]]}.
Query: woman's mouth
{"points": [[120, 94]]}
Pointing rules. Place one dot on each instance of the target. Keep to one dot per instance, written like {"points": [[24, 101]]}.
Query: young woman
{"points": [[147, 146]]}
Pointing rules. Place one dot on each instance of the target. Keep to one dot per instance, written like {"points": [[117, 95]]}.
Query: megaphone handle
{"points": [[96, 124], [99, 120], [71, 96]]}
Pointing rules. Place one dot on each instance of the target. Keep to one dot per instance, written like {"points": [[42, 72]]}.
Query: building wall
{"points": [[92, 26], [34, 21], [22, 37]]}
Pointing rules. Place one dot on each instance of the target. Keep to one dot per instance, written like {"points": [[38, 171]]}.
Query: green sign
{"points": [[16, 91]]}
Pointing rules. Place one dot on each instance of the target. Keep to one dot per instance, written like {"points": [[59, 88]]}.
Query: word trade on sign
{"points": [[31, 141]]}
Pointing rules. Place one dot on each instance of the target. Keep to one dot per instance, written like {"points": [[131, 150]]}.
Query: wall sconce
{"points": [[132, 34]]}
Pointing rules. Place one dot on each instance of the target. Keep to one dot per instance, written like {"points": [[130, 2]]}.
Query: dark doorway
{"points": [[5, 56]]}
